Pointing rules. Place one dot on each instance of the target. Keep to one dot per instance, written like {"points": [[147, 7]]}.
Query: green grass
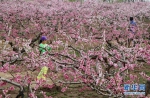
{"points": [[64, 97], [81, 94], [141, 80], [75, 86], [77, 54], [40, 95], [148, 73], [53, 93], [49, 94], [146, 20], [72, 0], [65, 94], [119, 1], [70, 96]]}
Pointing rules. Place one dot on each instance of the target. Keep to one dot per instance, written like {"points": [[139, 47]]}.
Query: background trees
{"points": [[89, 42]]}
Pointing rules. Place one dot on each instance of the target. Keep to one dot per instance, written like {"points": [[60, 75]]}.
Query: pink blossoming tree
{"points": [[90, 45]]}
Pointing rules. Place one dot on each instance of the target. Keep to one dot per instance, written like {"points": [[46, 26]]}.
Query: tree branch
{"points": [[11, 82]]}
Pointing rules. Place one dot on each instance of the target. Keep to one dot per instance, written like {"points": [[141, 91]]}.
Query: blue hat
{"points": [[43, 38]]}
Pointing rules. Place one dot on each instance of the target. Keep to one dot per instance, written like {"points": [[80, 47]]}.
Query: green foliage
{"points": [[72, 0], [141, 80], [40, 95], [119, 1], [77, 53], [148, 73], [64, 97]]}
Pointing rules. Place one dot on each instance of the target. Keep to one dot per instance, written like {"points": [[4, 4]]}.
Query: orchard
{"points": [[91, 46]]}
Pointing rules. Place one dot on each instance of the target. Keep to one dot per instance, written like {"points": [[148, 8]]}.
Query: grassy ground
{"points": [[72, 92]]}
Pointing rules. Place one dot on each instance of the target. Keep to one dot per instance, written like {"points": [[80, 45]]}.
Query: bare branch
{"points": [[11, 82], [74, 49], [114, 56], [69, 82]]}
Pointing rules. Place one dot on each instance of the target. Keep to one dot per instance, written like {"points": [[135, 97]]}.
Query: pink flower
{"points": [[3, 83], [17, 78], [5, 92], [36, 87], [66, 76], [119, 89], [11, 88], [32, 95], [131, 66], [50, 86], [64, 89], [75, 79], [29, 80], [115, 65]]}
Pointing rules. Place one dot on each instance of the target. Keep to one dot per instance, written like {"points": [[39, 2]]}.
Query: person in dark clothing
{"points": [[132, 29], [132, 25]]}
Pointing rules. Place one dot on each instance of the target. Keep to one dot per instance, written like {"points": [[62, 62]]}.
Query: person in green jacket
{"points": [[43, 47]]}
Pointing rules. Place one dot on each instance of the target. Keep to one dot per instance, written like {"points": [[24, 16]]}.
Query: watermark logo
{"points": [[134, 89]]}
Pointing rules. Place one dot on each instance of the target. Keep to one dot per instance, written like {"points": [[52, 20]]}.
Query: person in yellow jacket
{"points": [[43, 47]]}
